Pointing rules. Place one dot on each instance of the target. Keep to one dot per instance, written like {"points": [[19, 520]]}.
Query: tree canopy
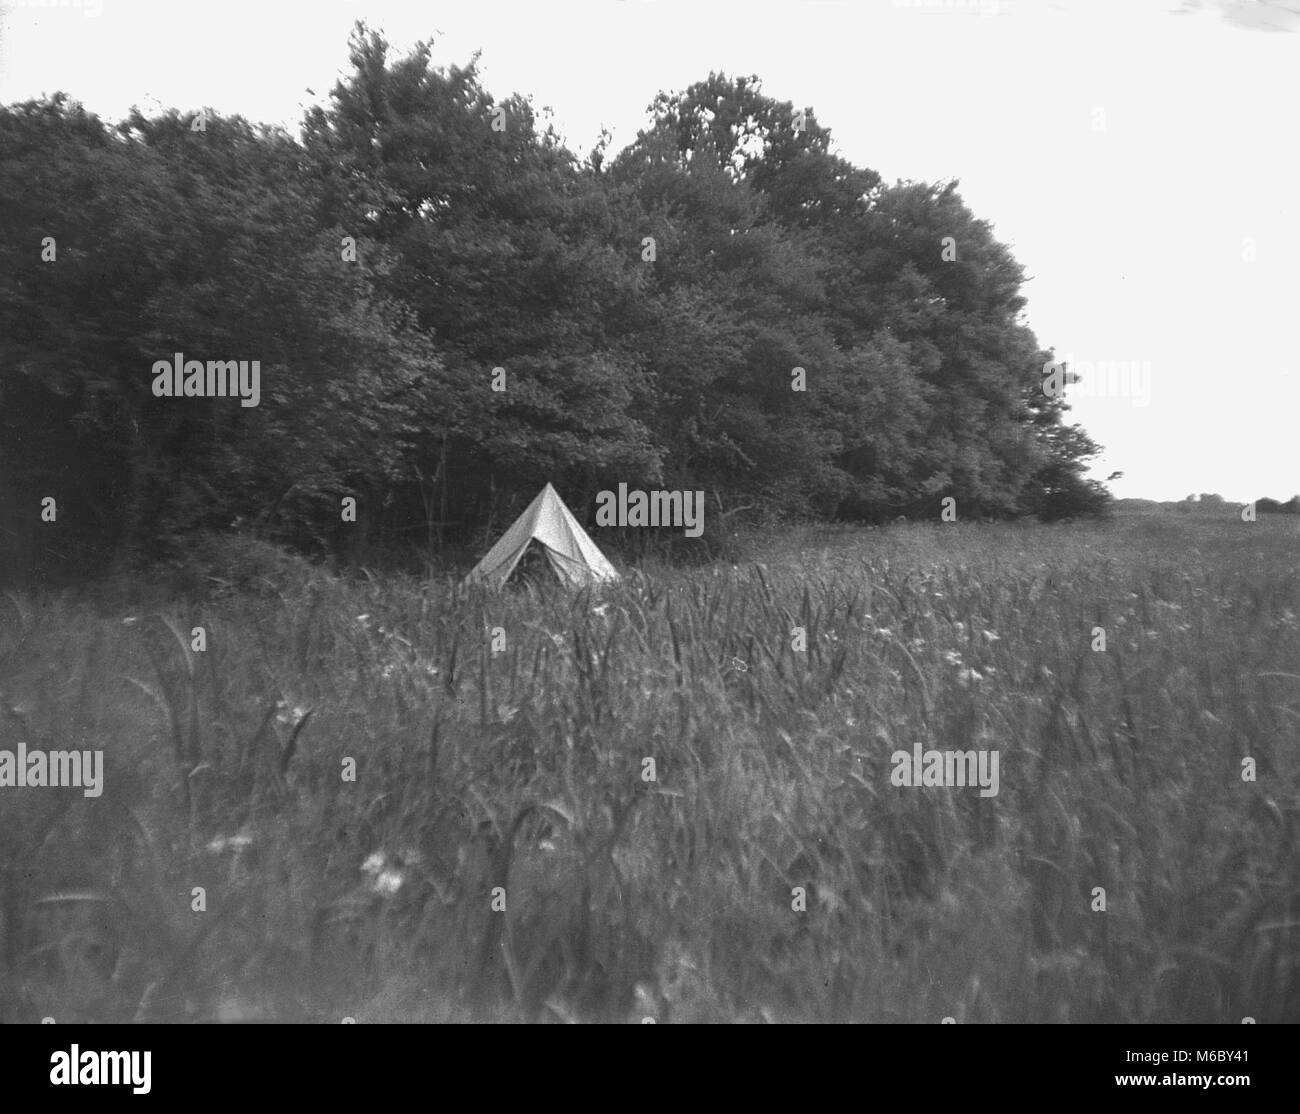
{"points": [[448, 306]]}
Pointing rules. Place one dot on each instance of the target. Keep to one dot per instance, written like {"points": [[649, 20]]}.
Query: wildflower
{"points": [[130, 620], [290, 717], [991, 636], [375, 863], [604, 607], [967, 677], [234, 843], [952, 657], [388, 882]]}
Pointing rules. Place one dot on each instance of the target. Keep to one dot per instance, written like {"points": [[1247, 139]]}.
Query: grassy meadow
{"points": [[499, 746]]}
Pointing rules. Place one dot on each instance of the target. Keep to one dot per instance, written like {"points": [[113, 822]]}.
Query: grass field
{"points": [[500, 748]]}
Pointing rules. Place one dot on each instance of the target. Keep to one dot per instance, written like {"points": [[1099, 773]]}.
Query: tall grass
{"points": [[522, 767]]}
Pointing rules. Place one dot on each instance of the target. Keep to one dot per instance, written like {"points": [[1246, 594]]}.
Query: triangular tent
{"points": [[547, 521]]}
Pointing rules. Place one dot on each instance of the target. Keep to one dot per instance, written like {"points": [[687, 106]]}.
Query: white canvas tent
{"points": [[570, 552]]}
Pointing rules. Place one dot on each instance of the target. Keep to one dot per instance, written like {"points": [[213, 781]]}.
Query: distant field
{"points": [[501, 742]]}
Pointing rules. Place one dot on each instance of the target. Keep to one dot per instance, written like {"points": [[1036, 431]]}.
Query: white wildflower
{"points": [[290, 717], [234, 843], [388, 882]]}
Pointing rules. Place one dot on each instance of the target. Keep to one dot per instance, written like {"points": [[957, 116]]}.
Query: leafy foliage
{"points": [[651, 313]]}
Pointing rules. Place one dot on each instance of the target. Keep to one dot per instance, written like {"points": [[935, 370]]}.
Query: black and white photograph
{"points": [[630, 512]]}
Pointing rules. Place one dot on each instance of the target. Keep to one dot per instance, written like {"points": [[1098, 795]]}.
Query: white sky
{"points": [[1134, 236]]}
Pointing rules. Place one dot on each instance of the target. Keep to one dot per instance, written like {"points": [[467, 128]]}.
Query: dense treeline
{"points": [[647, 309], [1208, 504]]}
